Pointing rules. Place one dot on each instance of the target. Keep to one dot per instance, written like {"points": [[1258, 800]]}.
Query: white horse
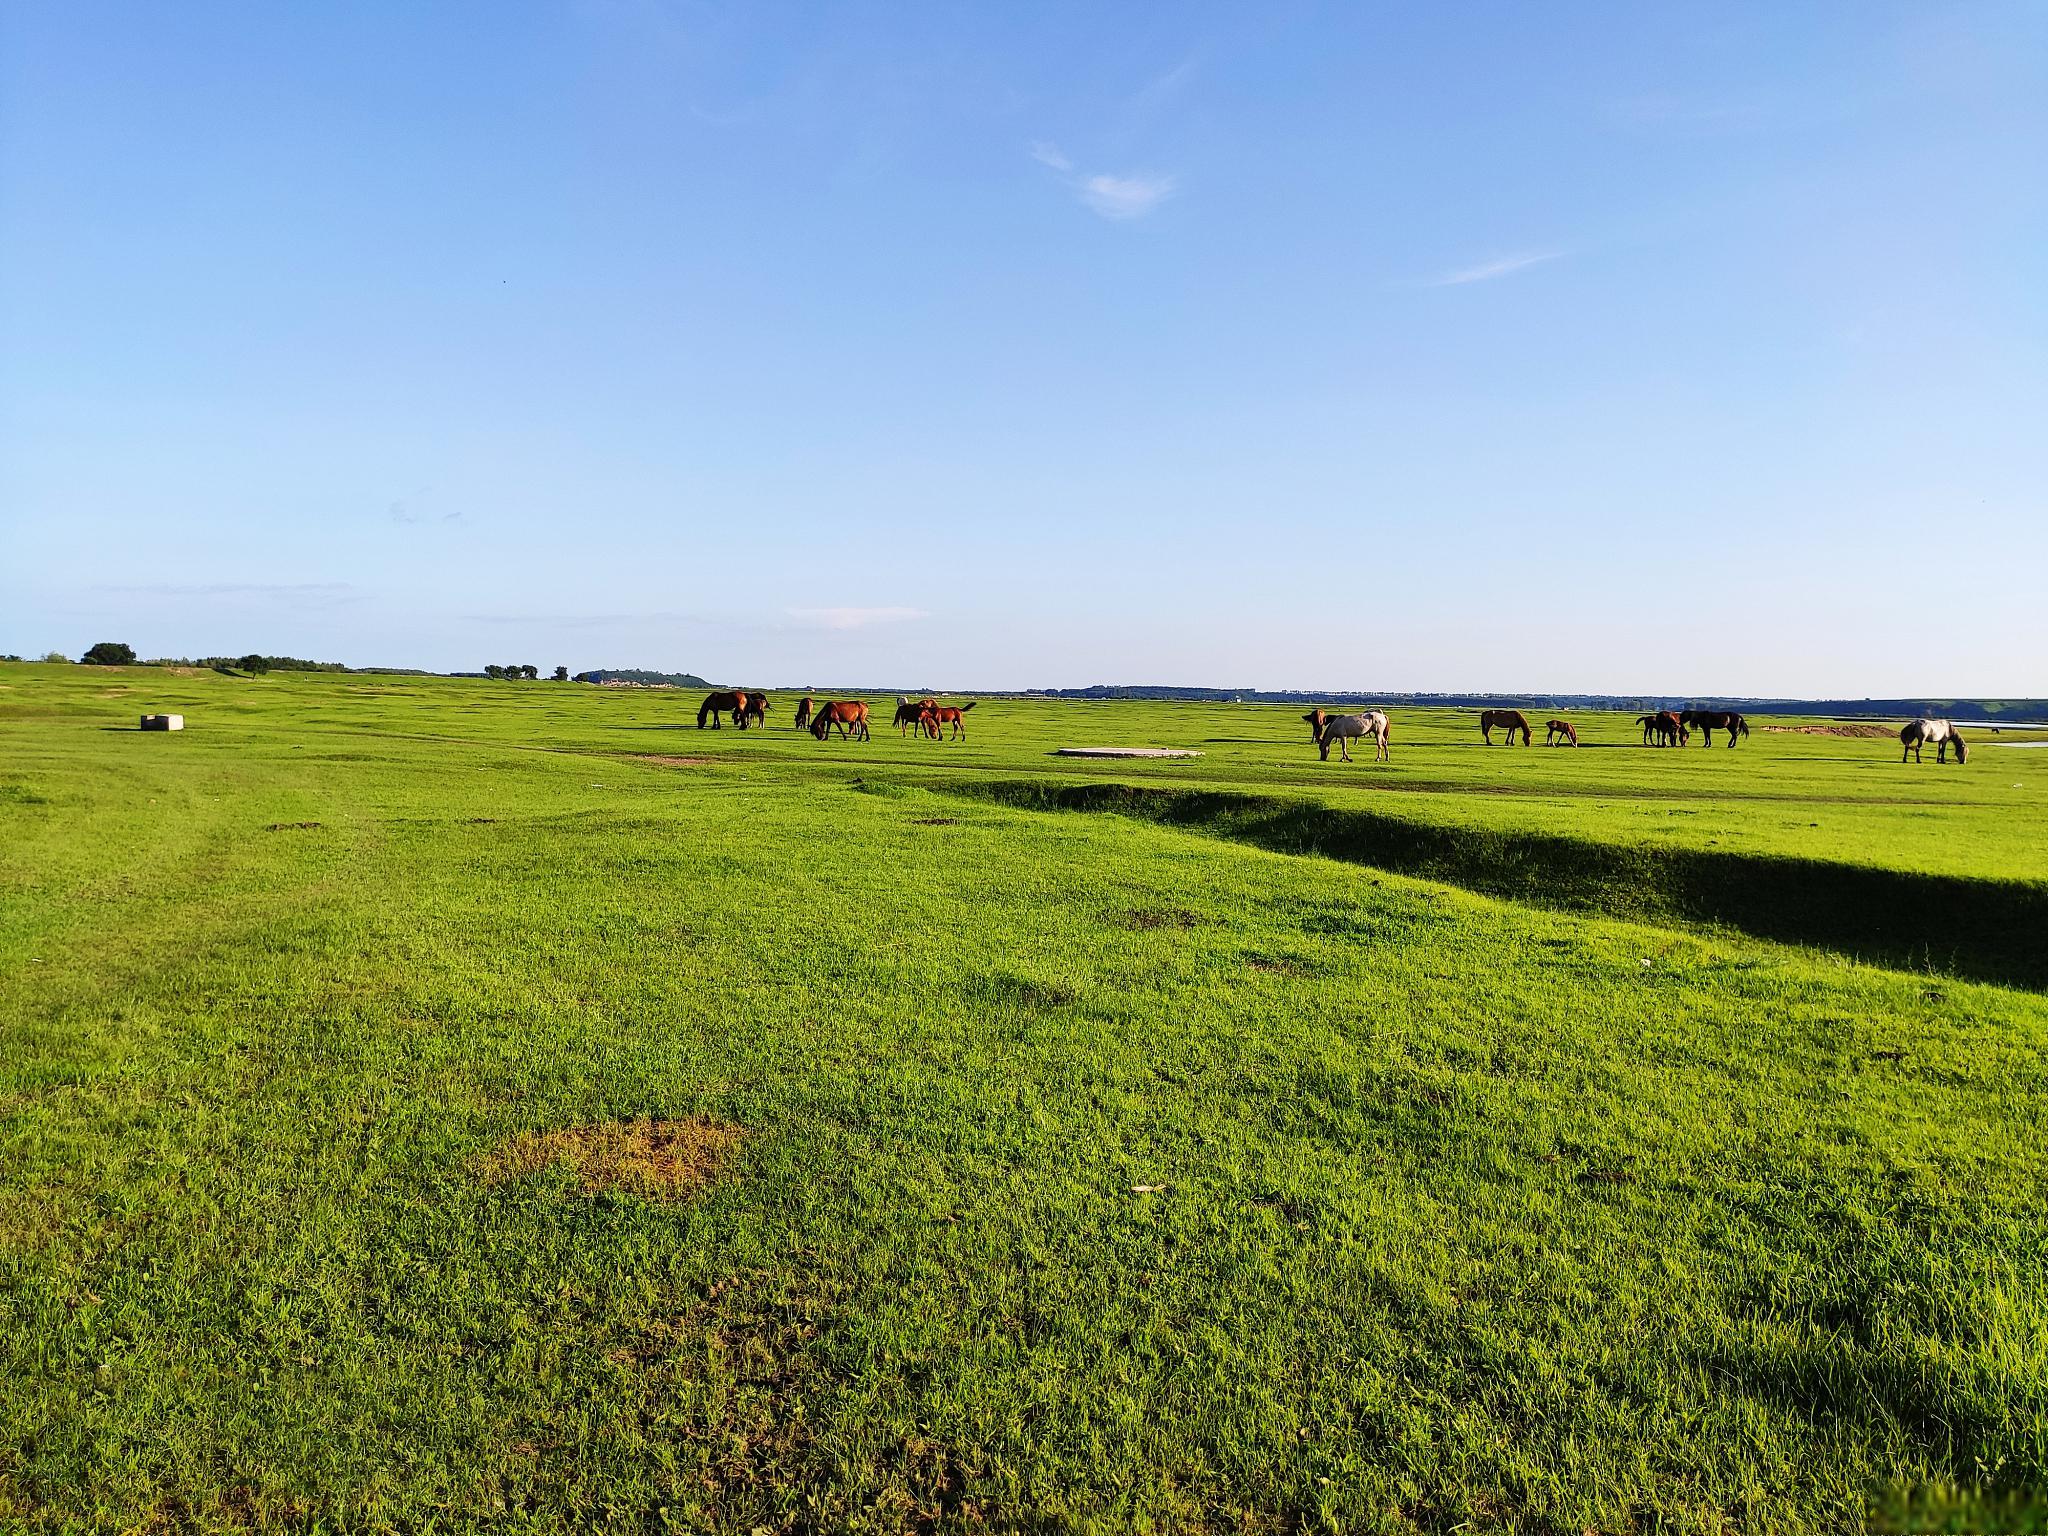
{"points": [[1936, 733], [1344, 729]]}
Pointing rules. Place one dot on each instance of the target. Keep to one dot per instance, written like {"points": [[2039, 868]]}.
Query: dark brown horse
{"points": [[1509, 720], [1708, 721], [718, 705], [1663, 729], [937, 715], [850, 715], [802, 722], [1554, 730], [909, 712]]}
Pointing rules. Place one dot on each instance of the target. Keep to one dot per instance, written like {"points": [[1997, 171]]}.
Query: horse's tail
{"points": [[967, 706]]}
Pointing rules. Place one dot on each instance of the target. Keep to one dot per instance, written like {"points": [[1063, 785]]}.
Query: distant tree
{"points": [[56, 656], [561, 673], [494, 670], [110, 653], [254, 663], [529, 672]]}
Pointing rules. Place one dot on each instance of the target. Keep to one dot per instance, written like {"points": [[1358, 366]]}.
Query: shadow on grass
{"points": [[1982, 930]]}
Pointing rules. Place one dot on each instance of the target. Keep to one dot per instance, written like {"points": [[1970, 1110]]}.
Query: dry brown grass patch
{"points": [[662, 760], [1833, 730], [653, 1159]]}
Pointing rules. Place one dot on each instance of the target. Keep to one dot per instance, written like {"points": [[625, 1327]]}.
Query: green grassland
{"points": [[1523, 1139]]}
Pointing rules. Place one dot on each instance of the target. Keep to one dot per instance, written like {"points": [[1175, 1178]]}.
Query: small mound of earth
{"points": [[654, 1159], [1124, 752], [1832, 730]]}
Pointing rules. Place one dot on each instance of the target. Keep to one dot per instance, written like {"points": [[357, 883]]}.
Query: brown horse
{"points": [[1510, 720], [1555, 729], [802, 722], [1663, 729], [717, 705], [909, 712], [936, 715], [755, 709], [850, 715], [1709, 721]]}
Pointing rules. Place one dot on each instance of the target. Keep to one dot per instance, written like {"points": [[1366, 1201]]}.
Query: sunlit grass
{"points": [[1089, 1170]]}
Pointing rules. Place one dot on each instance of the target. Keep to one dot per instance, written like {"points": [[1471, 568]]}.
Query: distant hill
{"points": [[2015, 711], [634, 677]]}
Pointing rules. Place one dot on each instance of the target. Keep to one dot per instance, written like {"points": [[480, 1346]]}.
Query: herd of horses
{"points": [[928, 717], [745, 707], [1665, 728]]}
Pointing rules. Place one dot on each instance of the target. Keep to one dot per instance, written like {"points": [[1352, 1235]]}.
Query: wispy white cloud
{"points": [[1113, 197], [1161, 89], [1127, 197], [1500, 266], [853, 618]]}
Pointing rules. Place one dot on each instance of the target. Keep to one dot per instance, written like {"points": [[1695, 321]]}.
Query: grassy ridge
{"points": [[1992, 930], [1454, 1209]]}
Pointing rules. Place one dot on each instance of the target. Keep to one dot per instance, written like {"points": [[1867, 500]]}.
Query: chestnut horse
{"points": [[802, 722], [1712, 720], [850, 715], [935, 715], [717, 705], [755, 709], [1918, 733], [1511, 720], [1553, 729], [1345, 729]]}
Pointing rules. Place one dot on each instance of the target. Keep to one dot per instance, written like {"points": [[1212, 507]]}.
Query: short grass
{"points": [[1071, 1171]]}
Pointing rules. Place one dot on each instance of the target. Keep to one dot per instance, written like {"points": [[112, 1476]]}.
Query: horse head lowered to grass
{"points": [[1345, 729], [1940, 734]]}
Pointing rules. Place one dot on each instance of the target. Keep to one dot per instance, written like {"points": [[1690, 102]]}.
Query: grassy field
{"points": [[430, 1104]]}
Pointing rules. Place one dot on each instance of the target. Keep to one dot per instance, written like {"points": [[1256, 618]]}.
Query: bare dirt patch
{"points": [[653, 1159], [1872, 731], [1278, 965], [292, 826], [936, 821]]}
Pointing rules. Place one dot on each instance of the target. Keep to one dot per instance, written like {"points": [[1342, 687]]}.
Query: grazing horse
{"points": [[1554, 730], [1663, 729], [1511, 720], [1345, 729], [1919, 733], [1712, 720], [850, 715], [802, 722], [755, 709], [909, 711], [936, 715], [721, 704]]}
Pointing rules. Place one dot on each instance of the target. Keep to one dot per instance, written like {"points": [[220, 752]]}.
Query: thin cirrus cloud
{"points": [[1112, 197], [853, 618], [1500, 266]]}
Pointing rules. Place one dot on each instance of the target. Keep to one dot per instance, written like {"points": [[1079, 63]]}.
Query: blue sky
{"points": [[1506, 346]]}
